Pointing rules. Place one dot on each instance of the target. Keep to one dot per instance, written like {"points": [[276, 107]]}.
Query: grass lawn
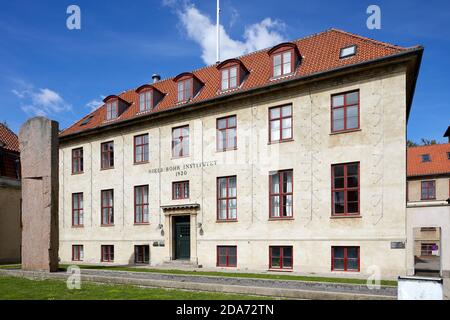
{"points": [[12, 288], [239, 275]]}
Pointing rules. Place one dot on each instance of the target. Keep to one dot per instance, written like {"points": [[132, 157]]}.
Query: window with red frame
{"points": [[345, 259], [142, 254], [428, 190], [345, 111], [281, 257], [281, 194], [345, 189], [141, 151], [230, 78], [77, 253], [226, 256], [282, 63], [77, 210], [108, 253], [107, 155], [226, 133], [226, 199], [112, 109], [180, 190], [141, 212], [280, 123], [180, 142], [184, 90], [107, 207], [77, 160], [145, 100]]}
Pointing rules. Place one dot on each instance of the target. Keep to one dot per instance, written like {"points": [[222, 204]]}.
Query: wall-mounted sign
{"points": [[181, 170], [398, 245]]}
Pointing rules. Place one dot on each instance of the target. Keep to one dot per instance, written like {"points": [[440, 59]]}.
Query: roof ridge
{"points": [[393, 46], [430, 145]]}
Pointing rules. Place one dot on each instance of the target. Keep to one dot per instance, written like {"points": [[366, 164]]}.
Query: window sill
{"points": [[179, 199], [280, 141], [106, 169], [431, 199], [77, 173], [77, 260], [141, 163], [226, 267], [142, 223], [226, 221], [78, 227], [107, 225], [344, 131], [282, 219], [225, 150], [280, 270], [356, 216]]}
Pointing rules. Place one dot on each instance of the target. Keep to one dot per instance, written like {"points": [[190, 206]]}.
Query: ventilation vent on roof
{"points": [[347, 52], [426, 158], [86, 121]]}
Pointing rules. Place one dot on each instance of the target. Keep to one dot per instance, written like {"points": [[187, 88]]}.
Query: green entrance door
{"points": [[182, 237]]}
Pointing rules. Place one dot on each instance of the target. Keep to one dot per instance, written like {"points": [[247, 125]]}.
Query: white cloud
{"points": [[202, 30], [42, 102], [94, 104]]}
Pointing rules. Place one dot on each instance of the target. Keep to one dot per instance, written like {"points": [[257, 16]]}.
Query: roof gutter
{"points": [[418, 51]]}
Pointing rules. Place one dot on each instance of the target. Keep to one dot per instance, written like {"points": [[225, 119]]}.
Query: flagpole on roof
{"points": [[218, 33]]}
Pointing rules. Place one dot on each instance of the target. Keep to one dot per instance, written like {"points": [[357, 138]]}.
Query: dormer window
{"points": [[232, 74], [145, 101], [184, 90], [149, 97], [347, 52], [188, 85], [114, 106], [229, 78], [112, 109], [284, 59]]}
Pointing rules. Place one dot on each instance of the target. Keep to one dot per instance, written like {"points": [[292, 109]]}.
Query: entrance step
{"points": [[179, 264]]}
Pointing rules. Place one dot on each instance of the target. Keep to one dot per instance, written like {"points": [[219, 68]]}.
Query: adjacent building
{"points": [[428, 210], [291, 158], [10, 196]]}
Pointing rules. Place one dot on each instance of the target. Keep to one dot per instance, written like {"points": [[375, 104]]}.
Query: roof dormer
{"points": [[284, 58], [149, 97], [232, 74], [188, 85], [114, 106]]}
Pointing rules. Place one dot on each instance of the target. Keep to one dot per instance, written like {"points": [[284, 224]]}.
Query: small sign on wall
{"points": [[159, 244], [398, 245]]}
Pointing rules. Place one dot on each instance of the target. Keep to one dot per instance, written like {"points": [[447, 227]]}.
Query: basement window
{"points": [[347, 52]]}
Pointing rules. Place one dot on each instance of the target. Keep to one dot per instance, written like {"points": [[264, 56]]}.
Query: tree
{"points": [[426, 142], [411, 144]]}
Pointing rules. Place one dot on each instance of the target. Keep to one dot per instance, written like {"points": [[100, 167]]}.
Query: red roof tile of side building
{"points": [[319, 53], [8, 139], [439, 160]]}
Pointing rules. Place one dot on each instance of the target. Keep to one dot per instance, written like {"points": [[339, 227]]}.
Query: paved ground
{"points": [[274, 288]]}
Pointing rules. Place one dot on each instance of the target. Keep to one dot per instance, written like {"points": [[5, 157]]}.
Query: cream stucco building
{"points": [[288, 159]]}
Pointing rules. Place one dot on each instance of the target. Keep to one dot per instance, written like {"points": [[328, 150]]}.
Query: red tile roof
{"points": [[439, 164], [320, 53], [9, 139]]}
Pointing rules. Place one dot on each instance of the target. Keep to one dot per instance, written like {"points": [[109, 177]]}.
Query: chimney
{"points": [[156, 77]]}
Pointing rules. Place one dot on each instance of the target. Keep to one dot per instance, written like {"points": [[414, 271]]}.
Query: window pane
{"points": [[275, 186], [232, 260], [339, 252], [352, 196], [275, 113], [352, 252], [222, 209], [232, 187], [353, 207], [338, 101], [287, 182], [233, 82], [222, 123], [352, 98], [352, 117], [338, 264], [222, 187], [338, 119], [232, 208], [339, 202], [277, 71], [339, 183], [231, 143], [275, 203], [352, 264], [233, 72], [287, 262], [275, 130], [287, 206], [276, 251]]}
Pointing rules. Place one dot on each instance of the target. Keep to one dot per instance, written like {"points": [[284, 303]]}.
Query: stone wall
{"points": [[10, 228]]}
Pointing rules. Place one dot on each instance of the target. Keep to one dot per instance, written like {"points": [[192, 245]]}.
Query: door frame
{"points": [[175, 238]]}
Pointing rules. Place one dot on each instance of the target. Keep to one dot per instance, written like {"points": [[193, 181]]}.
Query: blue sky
{"points": [[48, 69]]}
